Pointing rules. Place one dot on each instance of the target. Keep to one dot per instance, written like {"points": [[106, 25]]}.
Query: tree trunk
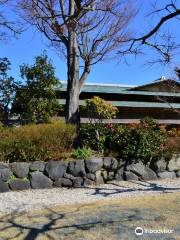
{"points": [[73, 90]]}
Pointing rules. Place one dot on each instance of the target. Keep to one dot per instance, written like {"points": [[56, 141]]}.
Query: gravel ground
{"points": [[39, 199]]}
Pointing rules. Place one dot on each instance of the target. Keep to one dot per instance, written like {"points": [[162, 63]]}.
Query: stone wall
{"points": [[81, 173]]}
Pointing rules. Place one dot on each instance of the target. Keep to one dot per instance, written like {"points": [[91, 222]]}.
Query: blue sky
{"points": [[31, 44]]}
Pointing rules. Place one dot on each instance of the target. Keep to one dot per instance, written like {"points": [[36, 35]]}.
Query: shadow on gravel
{"points": [[107, 221], [142, 186]]}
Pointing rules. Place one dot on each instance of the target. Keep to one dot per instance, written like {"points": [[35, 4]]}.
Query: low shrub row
{"points": [[36, 142], [144, 141]]}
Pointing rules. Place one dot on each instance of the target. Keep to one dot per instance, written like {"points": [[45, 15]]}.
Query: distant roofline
{"points": [[105, 84]]}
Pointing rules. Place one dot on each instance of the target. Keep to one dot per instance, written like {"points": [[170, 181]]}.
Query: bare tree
{"points": [[163, 43], [85, 31], [7, 26]]}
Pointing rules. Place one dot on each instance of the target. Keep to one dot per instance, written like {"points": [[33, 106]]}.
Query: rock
{"points": [[3, 186], [5, 174], [111, 176], [19, 184], [130, 176], [104, 174], [37, 166], [110, 163], [164, 175], [3, 165], [174, 163], [69, 176], [88, 182], [91, 176], [137, 168], [63, 182], [99, 178], [120, 174], [178, 173], [159, 165], [78, 182], [20, 169], [56, 169], [149, 174], [77, 168], [93, 165], [39, 180]]}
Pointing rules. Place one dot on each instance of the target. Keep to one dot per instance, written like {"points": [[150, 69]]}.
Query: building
{"points": [[159, 99]]}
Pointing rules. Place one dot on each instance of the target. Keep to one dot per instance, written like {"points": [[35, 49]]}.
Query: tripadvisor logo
{"points": [[138, 231]]}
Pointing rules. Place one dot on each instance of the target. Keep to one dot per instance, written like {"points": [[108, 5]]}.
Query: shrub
{"points": [[144, 141], [100, 109], [82, 153], [140, 141], [36, 142], [94, 136]]}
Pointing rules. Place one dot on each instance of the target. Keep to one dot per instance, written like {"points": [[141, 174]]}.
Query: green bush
{"points": [[36, 142], [82, 153], [136, 141], [143, 141], [94, 136]]}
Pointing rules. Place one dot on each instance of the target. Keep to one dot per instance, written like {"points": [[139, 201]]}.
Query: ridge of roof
{"points": [[105, 84]]}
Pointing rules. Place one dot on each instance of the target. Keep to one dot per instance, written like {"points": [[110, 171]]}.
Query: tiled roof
{"points": [[136, 104]]}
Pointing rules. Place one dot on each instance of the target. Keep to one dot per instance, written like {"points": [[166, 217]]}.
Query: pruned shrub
{"points": [[138, 141], [36, 142]]}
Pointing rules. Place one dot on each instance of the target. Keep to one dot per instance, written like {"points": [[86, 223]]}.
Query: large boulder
{"points": [[164, 175], [130, 176], [20, 169], [39, 180], [174, 163], [3, 186], [77, 168], [91, 176], [3, 165], [56, 169], [149, 174], [88, 182], [93, 165], [159, 165], [19, 184], [37, 166], [119, 176], [138, 168], [110, 163], [63, 182], [5, 174], [78, 182]]}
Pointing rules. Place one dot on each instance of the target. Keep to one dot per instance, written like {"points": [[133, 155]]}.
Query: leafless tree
{"points": [[7, 26], [161, 42], [86, 31]]}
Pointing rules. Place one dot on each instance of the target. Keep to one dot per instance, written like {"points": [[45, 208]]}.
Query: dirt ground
{"points": [[102, 220]]}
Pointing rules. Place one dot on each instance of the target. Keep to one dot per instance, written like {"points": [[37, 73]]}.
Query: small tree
{"points": [[8, 87], [95, 134], [36, 101], [99, 109]]}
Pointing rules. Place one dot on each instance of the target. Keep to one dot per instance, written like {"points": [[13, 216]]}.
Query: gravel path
{"points": [[38, 199]]}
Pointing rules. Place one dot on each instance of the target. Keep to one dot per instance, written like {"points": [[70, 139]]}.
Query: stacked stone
{"points": [[82, 173]]}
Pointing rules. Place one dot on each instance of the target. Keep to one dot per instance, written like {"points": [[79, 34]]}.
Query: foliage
{"points": [[140, 141], [82, 153], [144, 141], [37, 101], [36, 142], [100, 109], [8, 87], [94, 136]]}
